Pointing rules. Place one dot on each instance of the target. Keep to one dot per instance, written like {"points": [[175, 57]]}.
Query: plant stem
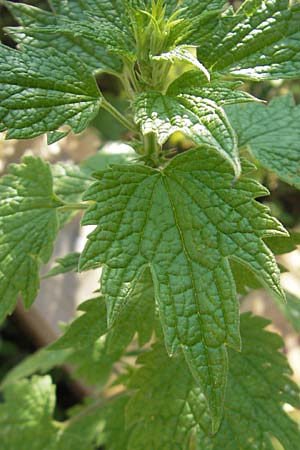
{"points": [[151, 148], [117, 115]]}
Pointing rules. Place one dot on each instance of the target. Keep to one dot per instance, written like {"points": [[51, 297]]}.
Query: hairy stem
{"points": [[151, 149]]}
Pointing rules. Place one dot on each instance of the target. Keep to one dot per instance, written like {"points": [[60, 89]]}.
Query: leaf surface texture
{"points": [[185, 222]]}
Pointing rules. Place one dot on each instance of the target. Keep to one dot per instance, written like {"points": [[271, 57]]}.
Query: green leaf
{"points": [[68, 263], [258, 387], [42, 90], [137, 318], [291, 310], [112, 11], [86, 340], [272, 133], [115, 435], [222, 92], [260, 41], [284, 244], [184, 222], [31, 424], [183, 54], [70, 181], [28, 228], [97, 58], [114, 153], [85, 329], [245, 279], [198, 117], [177, 407], [171, 6], [26, 416], [203, 19], [97, 347], [92, 29], [196, 8]]}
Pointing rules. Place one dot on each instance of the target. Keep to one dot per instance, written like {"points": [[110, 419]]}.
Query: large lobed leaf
{"points": [[42, 90], [177, 417], [258, 388], [185, 221], [79, 28], [272, 133], [177, 407], [31, 19], [260, 41], [28, 228]]}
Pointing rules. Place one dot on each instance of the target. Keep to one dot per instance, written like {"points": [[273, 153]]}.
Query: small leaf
{"points": [[291, 310], [98, 348], [222, 92], [86, 329], [198, 117], [70, 181], [182, 54], [184, 222], [28, 228], [33, 418], [137, 318], [29, 408], [41, 90], [68, 263], [272, 132]]}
